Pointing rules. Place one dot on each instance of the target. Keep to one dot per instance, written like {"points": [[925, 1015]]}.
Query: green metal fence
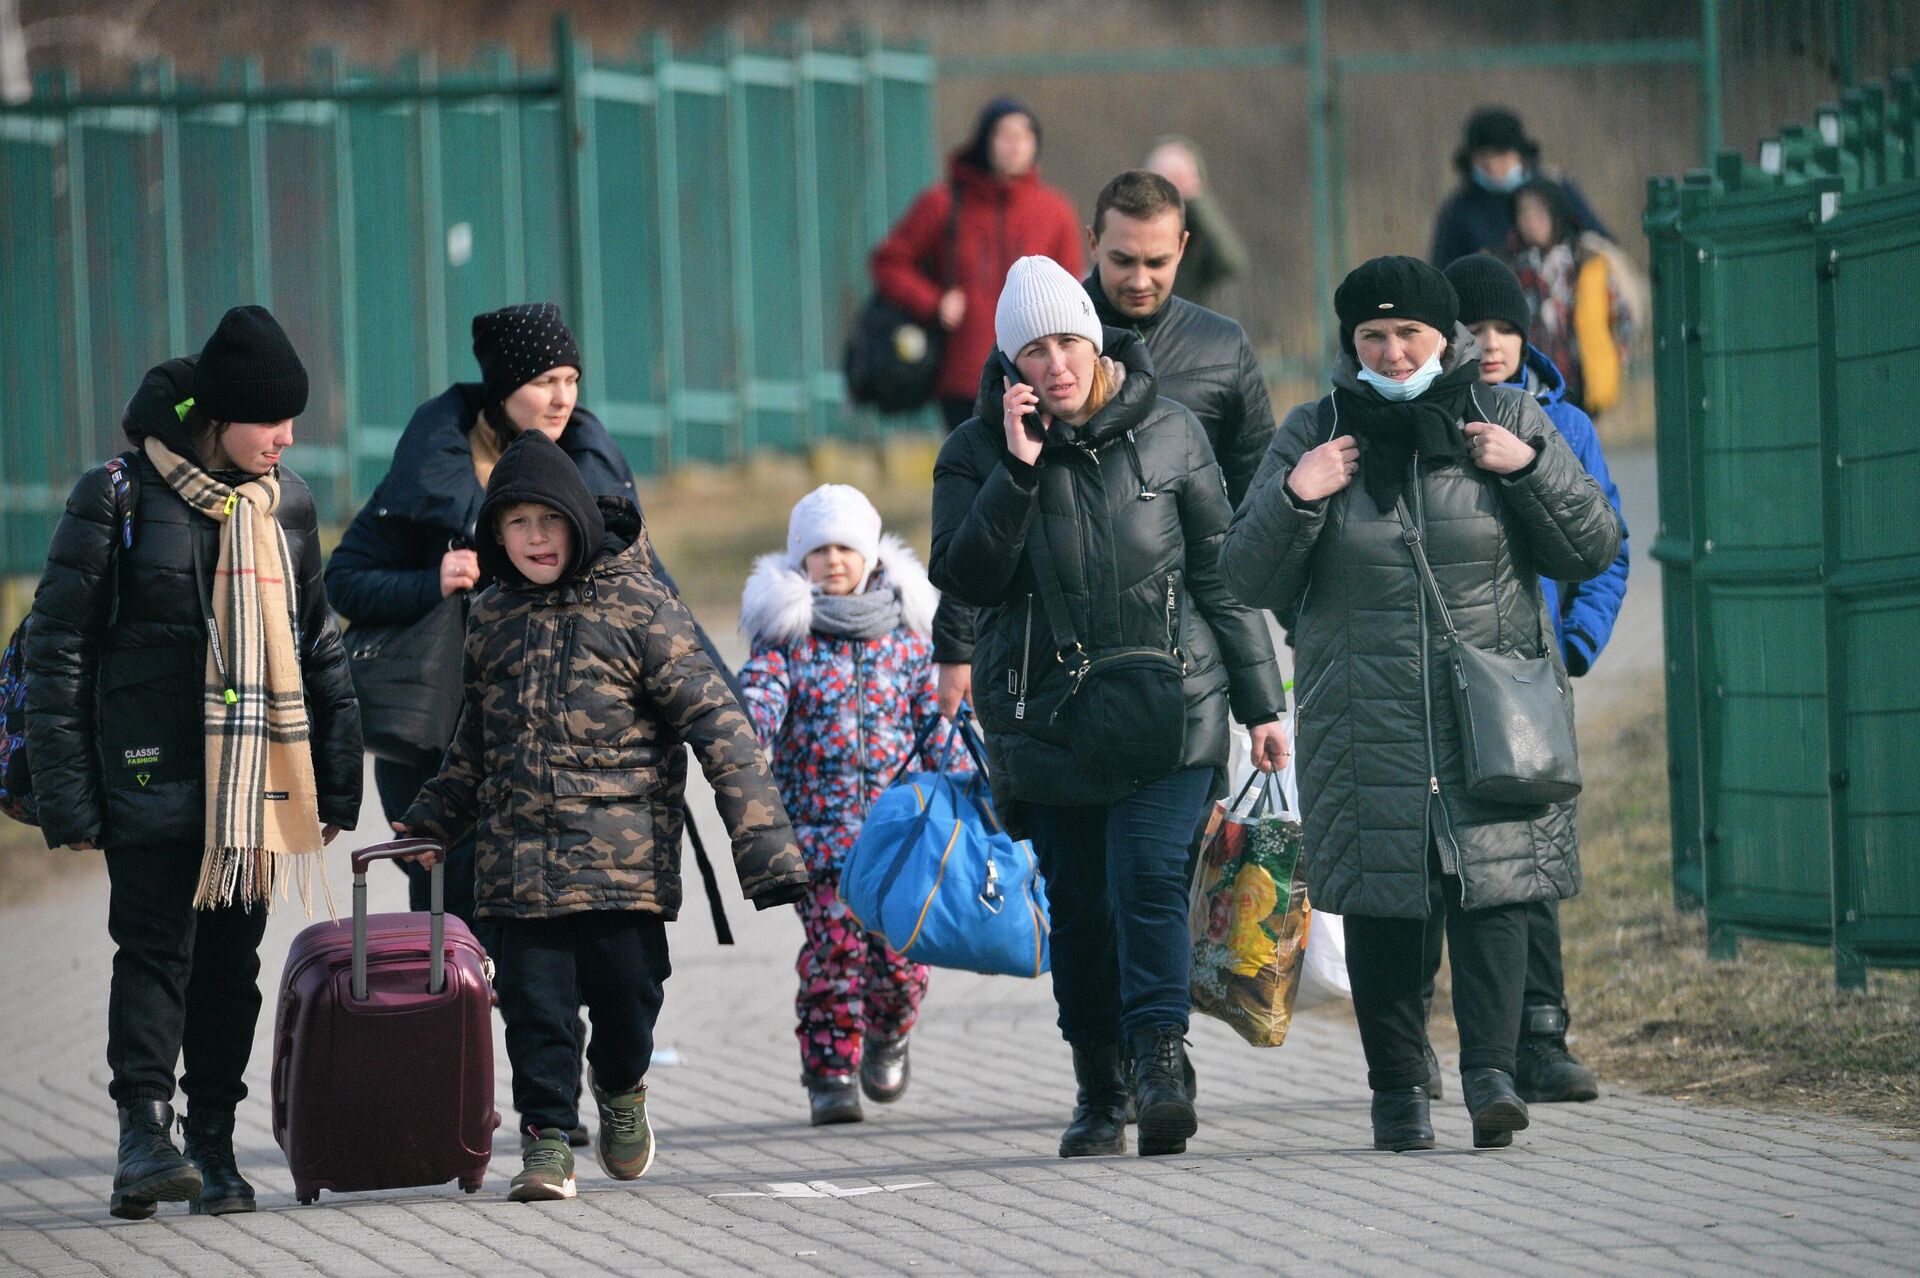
{"points": [[1789, 489], [703, 216]]}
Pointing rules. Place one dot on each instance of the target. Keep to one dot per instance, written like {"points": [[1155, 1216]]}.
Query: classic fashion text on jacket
{"points": [[580, 696], [117, 650], [1381, 767], [1134, 510]]}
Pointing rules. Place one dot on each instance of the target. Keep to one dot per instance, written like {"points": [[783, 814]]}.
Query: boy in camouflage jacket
{"points": [[584, 678]]}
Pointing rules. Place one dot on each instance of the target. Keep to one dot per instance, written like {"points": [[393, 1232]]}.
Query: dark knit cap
{"points": [[518, 343], [534, 468], [1488, 290], [1394, 288], [1494, 129], [979, 151], [248, 370]]}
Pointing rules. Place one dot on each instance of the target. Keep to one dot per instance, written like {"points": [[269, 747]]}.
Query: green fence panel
{"points": [[844, 235], [632, 389], [36, 352], [767, 226]]}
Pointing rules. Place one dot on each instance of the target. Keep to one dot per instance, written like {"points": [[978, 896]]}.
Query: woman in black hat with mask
{"points": [[189, 712], [1409, 441]]}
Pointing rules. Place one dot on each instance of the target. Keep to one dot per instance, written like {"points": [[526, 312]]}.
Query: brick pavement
{"points": [[959, 1177]]}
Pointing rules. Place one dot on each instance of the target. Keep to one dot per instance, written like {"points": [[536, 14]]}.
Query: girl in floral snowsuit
{"points": [[840, 681]]}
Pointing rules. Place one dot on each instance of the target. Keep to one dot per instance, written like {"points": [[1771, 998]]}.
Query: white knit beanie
{"points": [[833, 515], [1041, 298]]}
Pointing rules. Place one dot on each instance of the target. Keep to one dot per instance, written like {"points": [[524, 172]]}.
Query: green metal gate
{"points": [[703, 217], [1790, 531]]}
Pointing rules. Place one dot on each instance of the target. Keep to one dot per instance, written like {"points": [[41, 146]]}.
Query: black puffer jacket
{"points": [[1367, 687], [117, 664], [1201, 359], [1132, 500]]}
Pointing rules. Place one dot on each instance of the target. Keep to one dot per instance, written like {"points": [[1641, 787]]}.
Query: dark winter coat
{"points": [[1476, 220], [837, 715], [1583, 612], [1133, 503], [1000, 221], [1200, 359], [117, 651], [1378, 741], [568, 754]]}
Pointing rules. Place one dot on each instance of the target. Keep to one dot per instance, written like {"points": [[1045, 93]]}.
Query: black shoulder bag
{"points": [[1515, 713], [1123, 709], [892, 360], [410, 678]]}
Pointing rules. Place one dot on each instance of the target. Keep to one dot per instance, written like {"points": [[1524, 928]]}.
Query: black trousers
{"points": [[185, 982], [613, 960], [1387, 964], [1546, 976]]}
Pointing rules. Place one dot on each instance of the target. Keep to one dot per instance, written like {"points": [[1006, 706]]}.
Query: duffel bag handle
{"points": [[918, 750], [400, 850]]}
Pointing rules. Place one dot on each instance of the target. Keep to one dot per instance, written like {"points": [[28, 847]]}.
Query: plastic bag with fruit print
{"points": [[1248, 914]]}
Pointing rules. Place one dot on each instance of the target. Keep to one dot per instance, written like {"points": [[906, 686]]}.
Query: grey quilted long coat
{"points": [[1382, 771]]}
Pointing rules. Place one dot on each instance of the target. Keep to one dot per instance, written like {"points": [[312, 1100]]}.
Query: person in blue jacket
{"points": [[1495, 159], [1493, 306]]}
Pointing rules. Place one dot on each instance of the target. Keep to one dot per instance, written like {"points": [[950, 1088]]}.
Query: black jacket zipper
{"points": [[1026, 656]]}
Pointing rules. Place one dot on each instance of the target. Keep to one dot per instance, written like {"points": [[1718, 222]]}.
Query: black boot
{"points": [[1547, 1071], [1497, 1110], [1099, 1123], [1192, 1080], [209, 1141], [1401, 1120], [1433, 1074], [833, 1100], [1160, 1090], [884, 1071], [151, 1170]]}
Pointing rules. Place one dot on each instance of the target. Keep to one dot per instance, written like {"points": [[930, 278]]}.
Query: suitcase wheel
{"points": [[308, 1200], [469, 1186]]}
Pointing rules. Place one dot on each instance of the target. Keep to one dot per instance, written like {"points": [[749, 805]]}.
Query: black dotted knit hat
{"points": [[248, 371], [1489, 290], [518, 343], [1394, 288]]}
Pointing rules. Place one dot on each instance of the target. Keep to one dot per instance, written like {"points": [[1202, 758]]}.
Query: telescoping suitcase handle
{"points": [[400, 849]]}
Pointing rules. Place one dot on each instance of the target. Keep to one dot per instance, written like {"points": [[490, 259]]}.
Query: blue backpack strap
{"points": [[120, 476]]}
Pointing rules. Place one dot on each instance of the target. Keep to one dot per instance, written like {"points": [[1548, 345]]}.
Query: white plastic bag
{"points": [[1324, 976]]}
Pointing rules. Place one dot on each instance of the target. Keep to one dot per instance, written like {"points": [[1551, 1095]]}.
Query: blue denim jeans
{"points": [[1117, 892]]}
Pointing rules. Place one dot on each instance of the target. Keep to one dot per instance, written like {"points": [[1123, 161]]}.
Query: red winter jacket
{"points": [[1000, 220]]}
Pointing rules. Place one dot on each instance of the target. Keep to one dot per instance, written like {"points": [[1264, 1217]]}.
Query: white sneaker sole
{"points": [[645, 1167], [537, 1192]]}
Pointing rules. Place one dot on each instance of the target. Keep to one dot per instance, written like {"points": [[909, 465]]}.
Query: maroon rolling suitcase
{"points": [[383, 1048]]}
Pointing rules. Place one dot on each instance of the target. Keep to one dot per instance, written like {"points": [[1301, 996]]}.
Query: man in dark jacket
{"points": [[1495, 159], [1200, 359]]}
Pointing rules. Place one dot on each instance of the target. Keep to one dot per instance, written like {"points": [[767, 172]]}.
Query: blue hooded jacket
{"points": [[1583, 613]]}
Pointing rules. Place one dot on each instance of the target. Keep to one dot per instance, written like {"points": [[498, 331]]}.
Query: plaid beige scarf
{"points": [[263, 812]]}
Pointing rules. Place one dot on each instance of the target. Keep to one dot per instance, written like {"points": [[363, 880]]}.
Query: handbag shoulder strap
{"points": [[1052, 596], [1412, 536], [952, 264]]}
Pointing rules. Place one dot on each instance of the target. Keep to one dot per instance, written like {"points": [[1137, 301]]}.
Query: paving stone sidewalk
{"points": [[960, 1176]]}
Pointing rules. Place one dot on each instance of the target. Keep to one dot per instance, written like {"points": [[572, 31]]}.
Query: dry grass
{"points": [[1652, 1011]]}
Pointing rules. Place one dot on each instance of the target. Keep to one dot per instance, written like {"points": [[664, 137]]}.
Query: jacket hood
{"points": [[777, 604], [431, 480], [1463, 348], [535, 469], [1552, 384], [155, 410], [1125, 411]]}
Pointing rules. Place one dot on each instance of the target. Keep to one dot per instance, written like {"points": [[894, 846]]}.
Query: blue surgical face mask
{"points": [[1515, 179], [1412, 388]]}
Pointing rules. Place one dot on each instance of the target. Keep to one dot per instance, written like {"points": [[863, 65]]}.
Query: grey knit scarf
{"points": [[862, 616]]}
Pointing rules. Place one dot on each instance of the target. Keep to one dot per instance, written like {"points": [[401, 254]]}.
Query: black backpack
{"points": [[893, 360], [16, 774]]}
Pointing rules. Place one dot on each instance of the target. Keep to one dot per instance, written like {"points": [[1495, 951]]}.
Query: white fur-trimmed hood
{"points": [[777, 604]]}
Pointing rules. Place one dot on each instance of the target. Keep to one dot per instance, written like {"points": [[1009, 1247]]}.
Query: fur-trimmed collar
{"points": [[777, 604]]}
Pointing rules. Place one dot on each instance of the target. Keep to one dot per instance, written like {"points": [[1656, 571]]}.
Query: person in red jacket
{"points": [[946, 266]]}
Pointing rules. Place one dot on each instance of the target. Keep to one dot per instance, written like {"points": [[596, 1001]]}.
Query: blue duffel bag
{"points": [[935, 876]]}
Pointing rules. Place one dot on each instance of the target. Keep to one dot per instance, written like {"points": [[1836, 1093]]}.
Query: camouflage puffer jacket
{"points": [[568, 755]]}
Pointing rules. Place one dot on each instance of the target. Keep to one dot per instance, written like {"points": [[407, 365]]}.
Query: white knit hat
{"points": [[833, 515], [1041, 298]]}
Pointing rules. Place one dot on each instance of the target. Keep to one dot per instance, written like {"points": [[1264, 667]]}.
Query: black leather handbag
{"points": [[1122, 709], [409, 678], [1515, 713], [892, 360]]}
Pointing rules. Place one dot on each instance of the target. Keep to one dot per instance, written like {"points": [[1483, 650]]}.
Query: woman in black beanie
{"points": [[190, 564], [1396, 843]]}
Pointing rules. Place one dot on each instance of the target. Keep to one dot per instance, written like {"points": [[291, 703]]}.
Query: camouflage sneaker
{"points": [[625, 1143], [546, 1171]]}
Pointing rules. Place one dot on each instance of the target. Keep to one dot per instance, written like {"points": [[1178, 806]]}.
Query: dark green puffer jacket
{"points": [[1370, 787], [1134, 506]]}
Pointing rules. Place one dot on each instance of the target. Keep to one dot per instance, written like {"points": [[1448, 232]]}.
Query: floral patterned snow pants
{"points": [[851, 984]]}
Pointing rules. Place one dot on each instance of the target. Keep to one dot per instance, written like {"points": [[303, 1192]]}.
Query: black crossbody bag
{"points": [[1123, 709]]}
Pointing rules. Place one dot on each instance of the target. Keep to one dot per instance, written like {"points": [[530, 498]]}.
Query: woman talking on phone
{"points": [[1083, 514]]}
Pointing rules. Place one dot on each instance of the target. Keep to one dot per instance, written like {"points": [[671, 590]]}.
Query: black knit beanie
{"points": [[1488, 290], [534, 468], [518, 343], [248, 370], [1394, 288]]}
